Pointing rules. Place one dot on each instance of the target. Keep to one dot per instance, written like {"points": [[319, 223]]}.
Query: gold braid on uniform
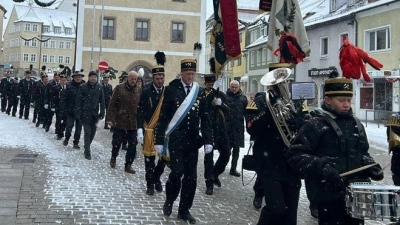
{"points": [[394, 139], [253, 106]]}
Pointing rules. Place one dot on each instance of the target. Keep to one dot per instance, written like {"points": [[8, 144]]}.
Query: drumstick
{"points": [[355, 170], [384, 168]]}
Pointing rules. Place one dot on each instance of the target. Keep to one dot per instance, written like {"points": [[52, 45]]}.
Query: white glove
{"points": [[217, 84], [208, 148], [18, 96], [46, 106], [251, 143], [218, 101], [53, 109], [159, 148], [140, 136]]}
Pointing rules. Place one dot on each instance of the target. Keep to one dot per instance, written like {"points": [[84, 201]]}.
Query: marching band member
{"points": [[328, 145], [393, 137]]}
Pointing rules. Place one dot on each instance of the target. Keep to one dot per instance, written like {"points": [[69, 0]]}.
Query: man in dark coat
{"points": [[25, 89], [108, 90], [5, 86], [182, 138], [122, 116], [89, 109], [329, 145], [235, 122], [12, 98], [42, 102], [67, 103], [148, 115], [218, 110], [56, 93], [280, 184], [393, 138]]}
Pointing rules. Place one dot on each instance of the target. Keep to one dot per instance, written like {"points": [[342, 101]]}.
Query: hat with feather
{"points": [[43, 73], [160, 59], [338, 86], [78, 73]]}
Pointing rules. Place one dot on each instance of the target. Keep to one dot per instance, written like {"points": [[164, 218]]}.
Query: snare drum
{"points": [[373, 202]]}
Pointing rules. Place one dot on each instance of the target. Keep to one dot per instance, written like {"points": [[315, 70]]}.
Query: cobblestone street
{"points": [[43, 182]]}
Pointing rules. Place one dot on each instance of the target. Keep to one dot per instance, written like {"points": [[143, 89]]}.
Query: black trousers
{"points": [[12, 106], [36, 115], [153, 171], [45, 116], [4, 100], [211, 170], [235, 157], [118, 137], [71, 122], [89, 131], [334, 213], [61, 123], [258, 188], [183, 164], [310, 191], [24, 106], [281, 201]]}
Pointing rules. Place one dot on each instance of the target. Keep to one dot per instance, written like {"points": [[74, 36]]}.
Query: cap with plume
{"points": [[289, 49], [212, 64], [43, 68], [352, 61], [197, 46], [333, 74], [31, 67], [66, 70], [160, 58]]}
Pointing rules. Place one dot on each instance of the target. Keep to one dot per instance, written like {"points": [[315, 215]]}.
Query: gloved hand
{"points": [[18, 96], [159, 148], [140, 136], [218, 101], [217, 84], [375, 173], [208, 148], [53, 109], [46, 106], [333, 181]]}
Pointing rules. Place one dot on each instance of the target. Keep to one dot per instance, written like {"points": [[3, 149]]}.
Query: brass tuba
{"points": [[394, 139], [283, 110]]}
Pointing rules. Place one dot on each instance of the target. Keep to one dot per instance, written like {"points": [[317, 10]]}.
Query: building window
{"points": [[264, 56], [44, 58], [252, 58], [34, 27], [45, 44], [178, 31], [46, 29], [67, 59], [383, 95], [239, 61], [142, 30], [324, 46], [366, 98], [34, 42], [351, 2], [61, 59], [333, 5], [57, 30], [27, 27], [240, 37], [61, 45], [378, 39], [252, 36], [17, 59], [108, 28], [52, 59], [26, 57], [33, 57], [17, 42], [68, 45], [232, 63], [259, 56], [68, 31], [52, 44]]}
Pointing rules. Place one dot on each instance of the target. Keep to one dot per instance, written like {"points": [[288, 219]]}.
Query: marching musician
{"points": [[280, 185], [330, 144], [393, 137]]}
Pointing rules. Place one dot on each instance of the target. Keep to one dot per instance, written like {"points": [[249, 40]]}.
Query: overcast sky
{"points": [[8, 5]]}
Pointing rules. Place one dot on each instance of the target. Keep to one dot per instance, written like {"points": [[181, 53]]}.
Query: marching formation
{"points": [[173, 122]]}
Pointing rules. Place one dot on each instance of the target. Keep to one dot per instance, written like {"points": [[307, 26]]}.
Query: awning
{"points": [[244, 79]]}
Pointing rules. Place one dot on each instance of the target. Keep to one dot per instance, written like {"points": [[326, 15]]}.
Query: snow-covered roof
{"points": [[49, 17]]}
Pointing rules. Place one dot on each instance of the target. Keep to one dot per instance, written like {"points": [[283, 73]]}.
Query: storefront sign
{"points": [[320, 72], [383, 73]]}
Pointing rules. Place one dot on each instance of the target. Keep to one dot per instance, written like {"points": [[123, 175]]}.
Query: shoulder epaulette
{"points": [[252, 105]]}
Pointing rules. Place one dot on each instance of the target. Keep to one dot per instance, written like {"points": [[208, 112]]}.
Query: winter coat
{"points": [[41, 95], [218, 113], [122, 110], [89, 106], [317, 144], [5, 86], [108, 91], [148, 103], [235, 119], [25, 89], [68, 99], [187, 132], [269, 149]]}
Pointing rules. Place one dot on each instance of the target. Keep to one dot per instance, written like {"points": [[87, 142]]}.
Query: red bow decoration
{"points": [[353, 59], [289, 49]]}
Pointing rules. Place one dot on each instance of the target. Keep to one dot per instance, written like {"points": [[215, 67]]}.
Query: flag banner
{"points": [[217, 39], [229, 16], [265, 5], [286, 33]]}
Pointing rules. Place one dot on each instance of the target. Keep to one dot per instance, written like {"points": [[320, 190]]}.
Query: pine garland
{"points": [[27, 39]]}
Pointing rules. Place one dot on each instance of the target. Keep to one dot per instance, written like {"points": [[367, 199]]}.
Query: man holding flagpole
{"points": [[177, 137]]}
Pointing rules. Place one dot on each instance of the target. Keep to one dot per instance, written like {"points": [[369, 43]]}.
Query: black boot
{"points": [[87, 155], [167, 208], [150, 189], [158, 186], [234, 173], [210, 187], [217, 182], [257, 202], [187, 217]]}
